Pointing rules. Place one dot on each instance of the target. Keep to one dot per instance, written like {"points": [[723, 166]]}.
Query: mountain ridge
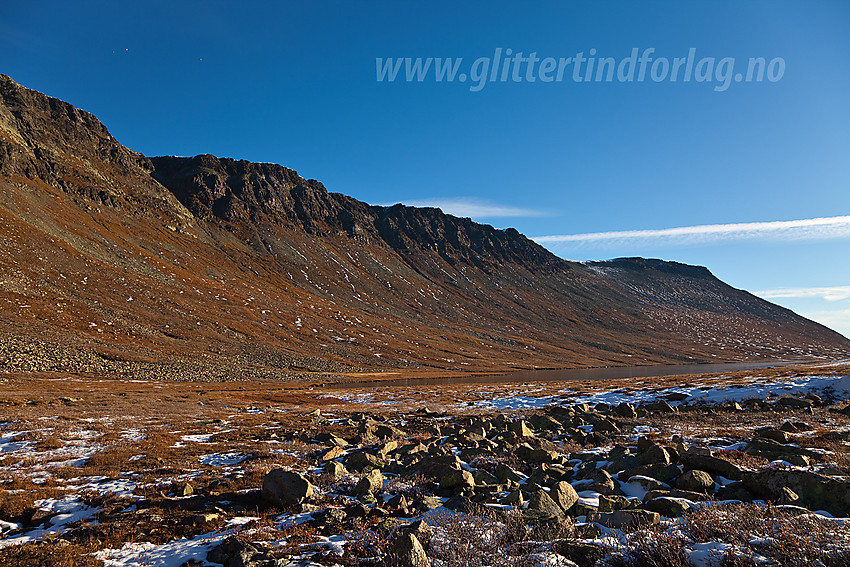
{"points": [[206, 267]]}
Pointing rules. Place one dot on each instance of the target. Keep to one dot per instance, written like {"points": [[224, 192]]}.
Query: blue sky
{"points": [[296, 84]]}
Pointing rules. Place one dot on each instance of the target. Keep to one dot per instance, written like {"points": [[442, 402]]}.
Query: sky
{"points": [[747, 177]]}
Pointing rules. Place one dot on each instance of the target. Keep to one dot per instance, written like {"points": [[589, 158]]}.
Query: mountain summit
{"points": [[211, 268]]}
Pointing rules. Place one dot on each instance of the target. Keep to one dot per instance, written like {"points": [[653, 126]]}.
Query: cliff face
{"points": [[208, 267]]}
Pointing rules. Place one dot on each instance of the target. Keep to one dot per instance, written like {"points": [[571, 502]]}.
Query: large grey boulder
{"points": [[815, 491], [286, 488]]}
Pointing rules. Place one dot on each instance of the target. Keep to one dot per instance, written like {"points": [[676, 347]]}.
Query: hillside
{"points": [[205, 268]]}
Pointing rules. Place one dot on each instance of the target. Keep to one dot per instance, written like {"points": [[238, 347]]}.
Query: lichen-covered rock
{"points": [[815, 491]]}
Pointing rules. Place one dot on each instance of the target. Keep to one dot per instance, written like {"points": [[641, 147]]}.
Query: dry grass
{"points": [[742, 459], [48, 553], [650, 548], [750, 531]]}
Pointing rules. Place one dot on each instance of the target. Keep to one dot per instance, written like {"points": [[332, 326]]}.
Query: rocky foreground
{"points": [[667, 482]]}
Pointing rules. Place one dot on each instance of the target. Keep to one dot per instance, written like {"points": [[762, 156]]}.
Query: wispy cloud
{"points": [[473, 208], [805, 229], [837, 293], [837, 320]]}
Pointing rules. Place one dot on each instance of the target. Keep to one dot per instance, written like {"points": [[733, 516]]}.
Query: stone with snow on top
{"points": [[773, 450], [582, 552]]}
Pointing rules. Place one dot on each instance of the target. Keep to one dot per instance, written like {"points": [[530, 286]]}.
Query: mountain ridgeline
{"points": [[214, 268]]}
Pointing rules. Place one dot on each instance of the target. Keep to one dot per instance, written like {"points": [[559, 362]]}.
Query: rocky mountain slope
{"points": [[207, 267]]}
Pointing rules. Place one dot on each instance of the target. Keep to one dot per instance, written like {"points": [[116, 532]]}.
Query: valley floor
{"points": [[750, 468]]}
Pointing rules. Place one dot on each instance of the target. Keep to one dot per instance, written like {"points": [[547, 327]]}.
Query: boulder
{"points": [[815, 491], [233, 552], [676, 493], [790, 402], [778, 435], [625, 410], [457, 479], [334, 470], [602, 481], [582, 553], [372, 482], [773, 451], [541, 505], [331, 454], [286, 488], [521, 428], [514, 498], [670, 507], [505, 473], [613, 502], [564, 495], [404, 550], [436, 466], [661, 406], [361, 460], [605, 426], [696, 459], [655, 454], [695, 480]]}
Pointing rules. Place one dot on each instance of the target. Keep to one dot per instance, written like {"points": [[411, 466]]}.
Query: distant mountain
{"points": [[205, 267]]}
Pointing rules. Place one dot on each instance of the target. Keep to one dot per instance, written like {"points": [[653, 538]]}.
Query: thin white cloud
{"points": [[805, 229], [837, 293], [473, 208], [837, 320]]}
